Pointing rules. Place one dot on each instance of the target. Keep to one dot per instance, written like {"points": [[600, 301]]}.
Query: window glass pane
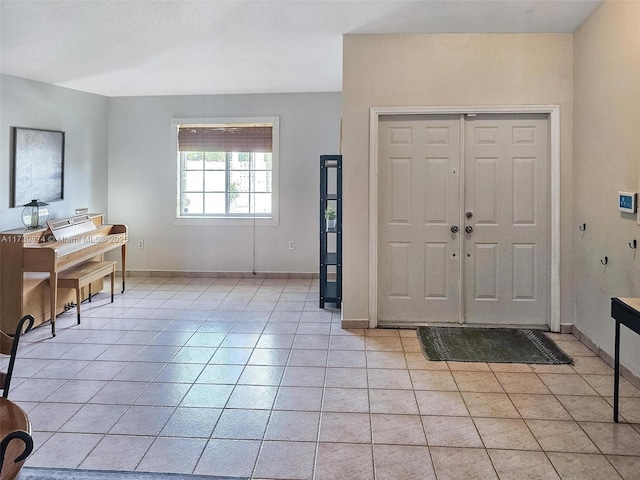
{"points": [[193, 181], [262, 203], [191, 204], [262, 161], [193, 160], [228, 183], [215, 160], [262, 181], [214, 203], [240, 161], [214, 181], [239, 203], [239, 181]]}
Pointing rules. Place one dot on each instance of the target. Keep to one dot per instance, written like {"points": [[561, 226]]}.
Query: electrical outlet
{"points": [[140, 243], [292, 245]]}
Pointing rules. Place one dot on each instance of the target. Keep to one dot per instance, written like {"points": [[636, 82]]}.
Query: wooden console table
{"points": [[625, 311]]}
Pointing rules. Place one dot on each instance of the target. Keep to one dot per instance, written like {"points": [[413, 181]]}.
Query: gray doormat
{"points": [[497, 345], [39, 473]]}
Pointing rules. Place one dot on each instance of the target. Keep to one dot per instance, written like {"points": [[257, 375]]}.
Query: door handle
{"points": [[454, 229], [469, 229]]}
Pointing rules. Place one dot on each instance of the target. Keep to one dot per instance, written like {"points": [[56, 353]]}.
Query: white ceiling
{"points": [[177, 47]]}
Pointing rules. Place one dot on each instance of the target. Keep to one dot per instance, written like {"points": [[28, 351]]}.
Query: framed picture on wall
{"points": [[37, 166]]}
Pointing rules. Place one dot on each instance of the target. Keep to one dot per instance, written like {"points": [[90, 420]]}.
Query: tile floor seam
{"points": [[89, 453], [532, 434], [555, 469], [493, 464]]}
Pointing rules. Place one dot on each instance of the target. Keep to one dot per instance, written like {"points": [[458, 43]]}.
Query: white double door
{"points": [[463, 219]]}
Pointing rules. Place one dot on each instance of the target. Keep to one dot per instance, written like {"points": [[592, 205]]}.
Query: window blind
{"points": [[225, 138]]}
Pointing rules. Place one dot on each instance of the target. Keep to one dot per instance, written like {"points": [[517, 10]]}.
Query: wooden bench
{"points": [[83, 275]]}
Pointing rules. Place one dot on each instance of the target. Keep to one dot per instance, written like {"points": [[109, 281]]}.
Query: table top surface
{"points": [[632, 302]]}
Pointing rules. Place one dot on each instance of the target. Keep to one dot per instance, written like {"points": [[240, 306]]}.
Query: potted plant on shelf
{"points": [[330, 216]]}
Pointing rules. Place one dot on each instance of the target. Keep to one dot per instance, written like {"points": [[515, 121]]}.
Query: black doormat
{"points": [[497, 345], [40, 473]]}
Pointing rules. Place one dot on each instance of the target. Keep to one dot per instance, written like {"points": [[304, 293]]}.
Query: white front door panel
{"points": [[498, 272], [419, 182], [506, 276]]}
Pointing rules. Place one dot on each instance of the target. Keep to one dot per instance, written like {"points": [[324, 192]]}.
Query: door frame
{"points": [[554, 166]]}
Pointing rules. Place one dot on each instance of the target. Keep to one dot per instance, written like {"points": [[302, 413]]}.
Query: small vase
{"points": [[331, 224]]}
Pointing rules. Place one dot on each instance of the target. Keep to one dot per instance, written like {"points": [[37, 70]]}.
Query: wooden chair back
{"points": [[15, 439], [9, 346], [15, 428]]}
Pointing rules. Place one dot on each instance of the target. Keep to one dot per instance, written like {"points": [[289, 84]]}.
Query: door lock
{"points": [[454, 229], [469, 215], [469, 229]]}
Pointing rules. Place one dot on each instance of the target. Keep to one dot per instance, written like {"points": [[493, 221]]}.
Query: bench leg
{"points": [[124, 265], [53, 297], [78, 301], [113, 283]]}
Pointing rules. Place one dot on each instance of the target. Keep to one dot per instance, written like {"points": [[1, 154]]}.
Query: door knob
{"points": [[454, 229], [469, 229], [469, 214]]}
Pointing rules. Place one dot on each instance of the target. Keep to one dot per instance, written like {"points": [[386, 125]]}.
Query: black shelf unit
{"points": [[331, 238]]}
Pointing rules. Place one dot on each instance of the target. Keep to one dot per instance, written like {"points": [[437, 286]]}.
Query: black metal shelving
{"points": [[331, 238]]}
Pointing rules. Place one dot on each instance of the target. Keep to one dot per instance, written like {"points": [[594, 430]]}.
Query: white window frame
{"points": [[244, 220]]}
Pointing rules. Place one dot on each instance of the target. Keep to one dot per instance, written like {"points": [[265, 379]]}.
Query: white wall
{"points": [[452, 69], [607, 159], [142, 180], [83, 118]]}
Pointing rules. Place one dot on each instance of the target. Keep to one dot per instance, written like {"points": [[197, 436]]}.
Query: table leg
{"points": [[616, 373]]}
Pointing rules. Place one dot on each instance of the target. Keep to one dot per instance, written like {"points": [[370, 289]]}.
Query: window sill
{"points": [[225, 221]]}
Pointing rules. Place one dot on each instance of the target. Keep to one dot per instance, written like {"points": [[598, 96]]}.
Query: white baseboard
{"points": [[196, 274], [358, 323]]}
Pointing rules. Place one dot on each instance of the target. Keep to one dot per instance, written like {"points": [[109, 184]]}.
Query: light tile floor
{"points": [[247, 377]]}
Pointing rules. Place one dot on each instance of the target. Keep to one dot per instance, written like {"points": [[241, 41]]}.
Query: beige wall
{"points": [[606, 160], [452, 69], [309, 126]]}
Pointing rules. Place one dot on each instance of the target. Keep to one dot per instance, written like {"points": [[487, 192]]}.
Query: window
{"points": [[227, 168]]}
